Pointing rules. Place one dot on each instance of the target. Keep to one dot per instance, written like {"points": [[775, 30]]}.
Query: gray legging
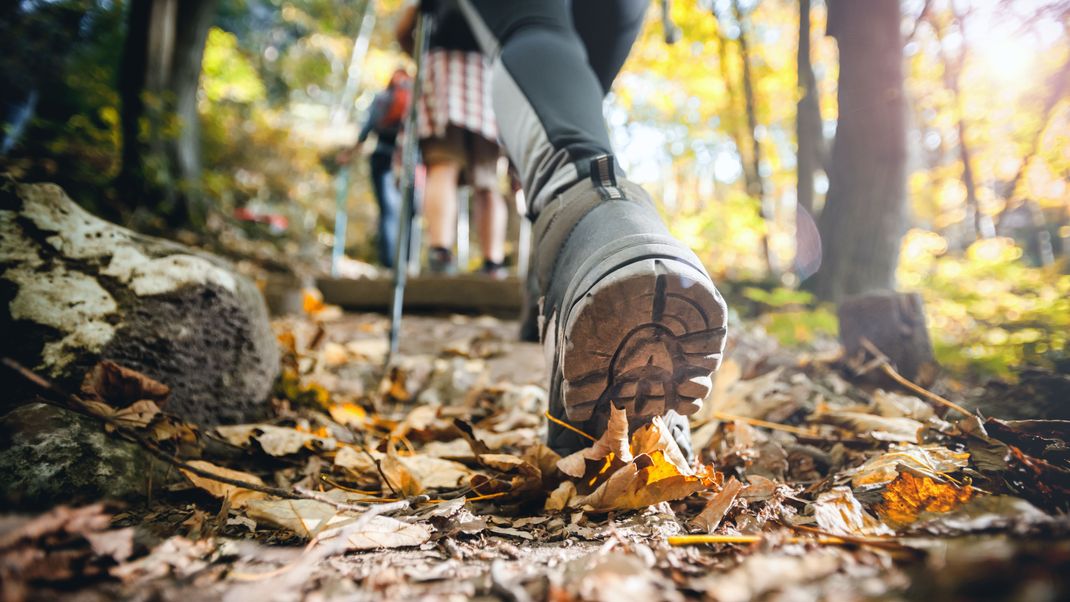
{"points": [[552, 63]]}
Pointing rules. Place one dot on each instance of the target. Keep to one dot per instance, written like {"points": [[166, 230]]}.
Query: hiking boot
{"points": [[629, 315]]}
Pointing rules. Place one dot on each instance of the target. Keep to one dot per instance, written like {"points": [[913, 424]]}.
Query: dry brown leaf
{"points": [[386, 532], [401, 480], [908, 496], [929, 460], [880, 428], [275, 440], [137, 415], [120, 386], [238, 496], [613, 441], [304, 517], [837, 511], [716, 509], [559, 498]]}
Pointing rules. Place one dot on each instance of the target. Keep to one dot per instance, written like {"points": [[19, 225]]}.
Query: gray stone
{"points": [[49, 455], [75, 289]]}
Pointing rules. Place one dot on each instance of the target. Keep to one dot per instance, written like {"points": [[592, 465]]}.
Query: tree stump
{"points": [[895, 324], [75, 289]]}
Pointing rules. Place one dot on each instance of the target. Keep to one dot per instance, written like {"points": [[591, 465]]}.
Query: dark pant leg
{"points": [[608, 28], [386, 194], [547, 98]]}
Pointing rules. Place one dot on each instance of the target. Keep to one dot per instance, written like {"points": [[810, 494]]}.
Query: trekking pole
{"points": [[408, 184], [341, 215]]}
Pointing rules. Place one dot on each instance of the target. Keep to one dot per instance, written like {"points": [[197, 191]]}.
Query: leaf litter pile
{"points": [[431, 480]]}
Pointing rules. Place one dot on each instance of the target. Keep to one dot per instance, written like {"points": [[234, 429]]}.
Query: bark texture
{"points": [[864, 215], [75, 289]]}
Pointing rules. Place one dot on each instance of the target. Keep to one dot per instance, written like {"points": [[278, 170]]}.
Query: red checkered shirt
{"points": [[456, 91]]}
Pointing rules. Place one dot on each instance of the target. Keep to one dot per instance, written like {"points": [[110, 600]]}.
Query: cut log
{"points": [[895, 324], [75, 289]]}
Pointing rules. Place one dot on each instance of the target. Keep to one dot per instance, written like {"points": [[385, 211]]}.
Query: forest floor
{"points": [[431, 482]]}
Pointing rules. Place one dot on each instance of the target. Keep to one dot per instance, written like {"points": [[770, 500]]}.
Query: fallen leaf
{"points": [[559, 498], [348, 414], [306, 518], [401, 480], [838, 512], [385, 532], [275, 440], [120, 386], [716, 509], [928, 460], [880, 428], [238, 496], [613, 441], [908, 496]]}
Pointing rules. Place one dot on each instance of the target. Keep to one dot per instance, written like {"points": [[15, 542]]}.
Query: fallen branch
{"points": [[885, 366]]}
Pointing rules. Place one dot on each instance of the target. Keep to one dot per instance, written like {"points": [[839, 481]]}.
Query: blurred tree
{"points": [[811, 143], [865, 214], [159, 76]]}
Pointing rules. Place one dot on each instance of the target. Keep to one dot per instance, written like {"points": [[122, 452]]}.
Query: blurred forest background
{"points": [[171, 115]]}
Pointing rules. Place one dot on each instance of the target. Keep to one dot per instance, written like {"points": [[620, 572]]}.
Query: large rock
{"points": [[50, 456], [75, 289]]}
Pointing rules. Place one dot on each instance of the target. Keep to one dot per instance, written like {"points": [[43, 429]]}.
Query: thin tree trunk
{"points": [[159, 78], [807, 116], [756, 187], [734, 130], [865, 214]]}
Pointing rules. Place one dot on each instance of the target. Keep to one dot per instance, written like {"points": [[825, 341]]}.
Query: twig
{"points": [[689, 540], [776, 426], [568, 426], [379, 468], [887, 368]]}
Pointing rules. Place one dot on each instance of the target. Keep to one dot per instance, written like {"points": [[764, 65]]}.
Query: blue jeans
{"points": [[388, 197]]}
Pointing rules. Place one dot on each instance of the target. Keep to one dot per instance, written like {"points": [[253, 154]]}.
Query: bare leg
{"points": [[491, 219], [440, 204]]}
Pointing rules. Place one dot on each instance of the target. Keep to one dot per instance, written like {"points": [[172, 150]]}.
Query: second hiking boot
{"points": [[629, 315]]}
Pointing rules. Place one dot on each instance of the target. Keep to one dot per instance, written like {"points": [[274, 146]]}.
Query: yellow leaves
{"points": [[908, 496], [348, 414]]}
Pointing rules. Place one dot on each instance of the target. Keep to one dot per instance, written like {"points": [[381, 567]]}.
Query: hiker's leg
{"points": [[387, 196], [630, 318], [547, 98], [445, 158], [440, 204], [608, 29], [490, 208]]}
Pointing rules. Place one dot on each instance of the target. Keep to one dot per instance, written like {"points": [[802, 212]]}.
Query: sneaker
{"points": [[440, 261], [493, 269], [629, 315]]}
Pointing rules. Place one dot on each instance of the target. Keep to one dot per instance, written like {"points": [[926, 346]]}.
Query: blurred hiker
{"points": [[629, 315], [458, 140], [385, 117]]}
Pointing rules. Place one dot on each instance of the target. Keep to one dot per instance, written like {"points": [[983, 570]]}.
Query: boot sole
{"points": [[646, 337]]}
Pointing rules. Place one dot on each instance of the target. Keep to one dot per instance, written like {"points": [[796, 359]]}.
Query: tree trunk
{"points": [[808, 115], [756, 186], [159, 77], [864, 216]]}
